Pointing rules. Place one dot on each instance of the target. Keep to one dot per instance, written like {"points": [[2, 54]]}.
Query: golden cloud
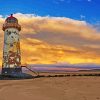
{"points": [[46, 40]]}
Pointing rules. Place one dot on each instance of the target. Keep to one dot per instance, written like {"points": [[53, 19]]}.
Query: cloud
{"points": [[89, 0], [97, 26], [46, 40], [62, 0], [82, 17], [86, 0]]}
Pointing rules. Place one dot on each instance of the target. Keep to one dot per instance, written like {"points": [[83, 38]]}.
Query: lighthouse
{"points": [[11, 63]]}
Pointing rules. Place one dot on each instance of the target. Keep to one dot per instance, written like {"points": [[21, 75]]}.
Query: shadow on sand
{"points": [[66, 75], [28, 76]]}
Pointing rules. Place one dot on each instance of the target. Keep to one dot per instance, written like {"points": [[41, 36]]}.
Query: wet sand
{"points": [[53, 88]]}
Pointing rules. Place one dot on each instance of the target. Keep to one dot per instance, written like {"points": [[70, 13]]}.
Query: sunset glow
{"points": [[47, 40], [57, 31]]}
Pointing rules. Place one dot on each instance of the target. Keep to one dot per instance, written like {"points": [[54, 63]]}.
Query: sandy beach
{"points": [[53, 88]]}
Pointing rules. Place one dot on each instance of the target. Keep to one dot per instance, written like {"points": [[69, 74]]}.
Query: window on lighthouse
{"points": [[11, 20]]}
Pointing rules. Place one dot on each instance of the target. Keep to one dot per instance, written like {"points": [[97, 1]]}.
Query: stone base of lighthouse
{"points": [[9, 71]]}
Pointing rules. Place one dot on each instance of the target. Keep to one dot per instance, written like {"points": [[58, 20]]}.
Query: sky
{"points": [[76, 9], [55, 31]]}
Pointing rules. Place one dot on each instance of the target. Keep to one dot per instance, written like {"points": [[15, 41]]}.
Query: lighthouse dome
{"points": [[11, 19], [11, 22]]}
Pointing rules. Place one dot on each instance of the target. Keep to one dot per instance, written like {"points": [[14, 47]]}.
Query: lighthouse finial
{"points": [[11, 15]]}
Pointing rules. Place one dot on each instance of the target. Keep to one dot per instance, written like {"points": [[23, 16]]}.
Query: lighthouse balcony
{"points": [[11, 25]]}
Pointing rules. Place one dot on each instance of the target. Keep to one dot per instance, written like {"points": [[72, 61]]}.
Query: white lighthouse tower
{"points": [[11, 49]]}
